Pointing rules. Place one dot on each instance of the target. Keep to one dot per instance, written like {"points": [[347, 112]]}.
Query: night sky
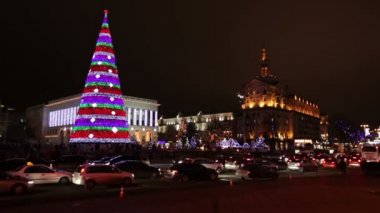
{"points": [[195, 55]]}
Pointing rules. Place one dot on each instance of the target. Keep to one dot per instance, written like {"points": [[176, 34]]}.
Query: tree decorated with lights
{"points": [[101, 117]]}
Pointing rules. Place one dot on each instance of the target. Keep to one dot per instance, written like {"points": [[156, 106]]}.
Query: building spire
{"points": [[264, 66]]}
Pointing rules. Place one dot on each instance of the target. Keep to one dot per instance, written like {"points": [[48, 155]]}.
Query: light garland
{"points": [[101, 117]]}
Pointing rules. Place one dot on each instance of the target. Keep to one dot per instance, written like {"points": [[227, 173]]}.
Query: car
{"points": [[320, 158], [101, 174], [218, 167], [41, 174], [12, 164], [329, 163], [120, 158], [14, 184], [340, 155], [282, 165], [69, 162], [266, 163], [232, 163], [192, 171], [354, 160], [304, 165], [100, 161], [252, 171], [139, 169], [221, 158], [249, 157]]}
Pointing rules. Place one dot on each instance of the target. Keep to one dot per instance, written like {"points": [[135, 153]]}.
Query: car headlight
{"points": [[30, 182]]}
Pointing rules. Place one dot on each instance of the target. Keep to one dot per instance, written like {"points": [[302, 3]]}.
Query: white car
{"points": [[303, 165], [231, 163], [101, 174], [218, 167], [41, 174]]}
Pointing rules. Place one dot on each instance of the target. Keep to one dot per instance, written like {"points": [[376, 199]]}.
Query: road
{"points": [[309, 192], [53, 192]]}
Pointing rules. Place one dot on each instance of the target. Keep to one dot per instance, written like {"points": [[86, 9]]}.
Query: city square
{"points": [[178, 109]]}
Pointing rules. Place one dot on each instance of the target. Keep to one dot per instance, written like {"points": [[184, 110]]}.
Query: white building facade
{"points": [[52, 123]]}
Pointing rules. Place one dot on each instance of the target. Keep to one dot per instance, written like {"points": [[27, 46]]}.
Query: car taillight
{"points": [[359, 160], [82, 171]]}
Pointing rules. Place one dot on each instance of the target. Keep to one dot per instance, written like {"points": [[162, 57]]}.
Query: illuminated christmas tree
{"points": [[101, 117]]}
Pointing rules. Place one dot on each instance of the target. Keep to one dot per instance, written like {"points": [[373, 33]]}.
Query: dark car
{"points": [[354, 159], [12, 164], [329, 163], [69, 162], [253, 171], [192, 171], [120, 158], [139, 169], [101, 161]]}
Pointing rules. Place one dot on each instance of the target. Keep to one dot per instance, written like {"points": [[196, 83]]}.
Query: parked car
{"points": [[192, 171], [100, 174], [14, 185], [139, 169], [252, 171], [41, 174]]}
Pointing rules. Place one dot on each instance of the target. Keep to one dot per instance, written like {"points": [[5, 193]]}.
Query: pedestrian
{"points": [[341, 164]]}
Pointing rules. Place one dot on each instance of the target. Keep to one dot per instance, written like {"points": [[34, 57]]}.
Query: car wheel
{"points": [[218, 170], [18, 189], [90, 184], [184, 178], [213, 176], [64, 180], [126, 182]]}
